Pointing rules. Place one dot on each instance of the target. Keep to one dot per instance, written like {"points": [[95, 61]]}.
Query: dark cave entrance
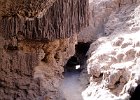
{"points": [[136, 94], [71, 65], [73, 70], [81, 50], [76, 63]]}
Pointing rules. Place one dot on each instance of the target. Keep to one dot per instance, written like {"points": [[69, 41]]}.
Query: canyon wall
{"points": [[36, 40]]}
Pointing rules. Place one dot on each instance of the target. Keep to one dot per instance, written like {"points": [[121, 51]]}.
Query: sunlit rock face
{"points": [[36, 40], [113, 59], [114, 68], [105, 16]]}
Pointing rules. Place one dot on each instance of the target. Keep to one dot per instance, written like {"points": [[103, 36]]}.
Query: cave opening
{"points": [[76, 62], [71, 86], [136, 94], [71, 65], [82, 48]]}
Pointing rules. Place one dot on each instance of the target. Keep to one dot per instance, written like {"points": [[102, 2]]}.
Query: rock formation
{"points": [[36, 40], [61, 20], [113, 59]]}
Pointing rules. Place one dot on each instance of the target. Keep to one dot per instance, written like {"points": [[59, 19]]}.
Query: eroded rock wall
{"points": [[36, 40], [113, 59], [61, 20], [34, 70], [105, 16]]}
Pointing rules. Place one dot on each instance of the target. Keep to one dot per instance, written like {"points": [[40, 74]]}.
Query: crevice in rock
{"points": [[77, 62], [71, 65], [81, 49], [72, 85]]}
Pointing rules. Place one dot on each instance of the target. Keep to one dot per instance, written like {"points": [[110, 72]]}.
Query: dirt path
{"points": [[71, 87]]}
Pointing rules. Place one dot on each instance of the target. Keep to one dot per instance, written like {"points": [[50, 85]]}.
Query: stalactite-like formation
{"points": [[63, 19]]}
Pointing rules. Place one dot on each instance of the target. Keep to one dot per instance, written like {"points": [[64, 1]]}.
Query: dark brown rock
{"points": [[61, 20]]}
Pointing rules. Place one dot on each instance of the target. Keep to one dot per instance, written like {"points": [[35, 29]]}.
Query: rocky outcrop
{"points": [[105, 16], [35, 69], [36, 40], [113, 62], [114, 68]]}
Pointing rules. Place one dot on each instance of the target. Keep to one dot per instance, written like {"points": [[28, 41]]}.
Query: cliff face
{"points": [[36, 40], [113, 59]]}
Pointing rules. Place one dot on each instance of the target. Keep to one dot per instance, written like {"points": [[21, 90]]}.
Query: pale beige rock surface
{"points": [[113, 73], [113, 61]]}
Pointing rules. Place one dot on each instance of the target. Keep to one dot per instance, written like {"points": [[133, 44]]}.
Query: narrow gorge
{"points": [[69, 49]]}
